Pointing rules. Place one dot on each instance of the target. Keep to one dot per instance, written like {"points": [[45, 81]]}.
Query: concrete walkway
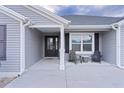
{"points": [[46, 74]]}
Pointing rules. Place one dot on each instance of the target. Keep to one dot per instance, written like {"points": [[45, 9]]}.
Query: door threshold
{"points": [[51, 58]]}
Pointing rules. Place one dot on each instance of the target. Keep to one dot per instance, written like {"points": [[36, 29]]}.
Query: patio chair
{"points": [[96, 57], [72, 56]]}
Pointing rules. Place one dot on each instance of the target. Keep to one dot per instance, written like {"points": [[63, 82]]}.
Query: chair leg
{"points": [[80, 59], [75, 62]]}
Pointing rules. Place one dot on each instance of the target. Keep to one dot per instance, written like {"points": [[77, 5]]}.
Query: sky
{"points": [[95, 10]]}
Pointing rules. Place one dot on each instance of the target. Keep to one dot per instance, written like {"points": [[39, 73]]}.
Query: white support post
{"points": [[22, 48], [118, 46], [62, 48]]}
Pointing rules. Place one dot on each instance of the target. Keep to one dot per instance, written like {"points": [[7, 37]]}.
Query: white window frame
{"points": [[81, 34], [71, 34]]}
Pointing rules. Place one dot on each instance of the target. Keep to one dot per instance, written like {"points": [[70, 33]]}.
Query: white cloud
{"points": [[103, 10], [82, 10], [55, 8], [114, 14], [51, 8], [99, 7], [87, 9]]}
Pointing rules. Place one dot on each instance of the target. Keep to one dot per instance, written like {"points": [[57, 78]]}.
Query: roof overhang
{"points": [[88, 28], [75, 27], [48, 14], [121, 22], [13, 14], [44, 26]]}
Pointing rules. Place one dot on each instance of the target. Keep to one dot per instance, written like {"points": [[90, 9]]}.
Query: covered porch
{"points": [[56, 41], [53, 42]]}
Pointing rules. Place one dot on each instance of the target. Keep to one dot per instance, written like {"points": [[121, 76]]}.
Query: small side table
{"points": [[85, 58]]}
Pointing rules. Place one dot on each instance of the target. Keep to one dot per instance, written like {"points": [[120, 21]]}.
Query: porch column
{"points": [[116, 27], [118, 45], [62, 48]]}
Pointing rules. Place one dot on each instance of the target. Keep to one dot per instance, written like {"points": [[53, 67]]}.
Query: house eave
{"points": [[89, 27], [13, 14], [48, 13], [44, 26]]}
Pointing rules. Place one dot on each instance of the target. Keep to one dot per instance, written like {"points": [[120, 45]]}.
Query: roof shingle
{"points": [[91, 20]]}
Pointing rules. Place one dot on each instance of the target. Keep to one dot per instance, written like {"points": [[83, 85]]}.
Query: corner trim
{"points": [[22, 48], [116, 27], [118, 47]]}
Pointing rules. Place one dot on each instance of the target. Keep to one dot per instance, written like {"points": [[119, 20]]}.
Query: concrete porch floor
{"points": [[46, 74]]}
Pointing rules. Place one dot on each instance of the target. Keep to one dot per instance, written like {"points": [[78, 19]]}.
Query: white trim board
{"points": [[116, 27], [72, 28], [118, 45], [42, 13], [49, 14], [81, 34], [13, 14], [45, 26], [22, 48], [90, 27]]}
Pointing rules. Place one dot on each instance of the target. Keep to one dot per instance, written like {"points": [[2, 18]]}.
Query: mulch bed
{"points": [[5, 80]]}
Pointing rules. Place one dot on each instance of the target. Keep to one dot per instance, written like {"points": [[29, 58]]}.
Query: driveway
{"points": [[46, 74]]}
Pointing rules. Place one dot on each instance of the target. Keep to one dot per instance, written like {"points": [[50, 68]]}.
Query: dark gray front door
{"points": [[51, 46]]}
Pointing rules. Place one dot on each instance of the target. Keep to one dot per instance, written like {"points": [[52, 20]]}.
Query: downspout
{"points": [[22, 44], [116, 27]]}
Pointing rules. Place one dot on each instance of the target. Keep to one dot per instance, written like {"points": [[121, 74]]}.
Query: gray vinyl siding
{"points": [[122, 45], [34, 17], [12, 62], [33, 46], [109, 46]]}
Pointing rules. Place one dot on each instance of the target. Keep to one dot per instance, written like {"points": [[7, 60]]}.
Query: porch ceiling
{"points": [[47, 28]]}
